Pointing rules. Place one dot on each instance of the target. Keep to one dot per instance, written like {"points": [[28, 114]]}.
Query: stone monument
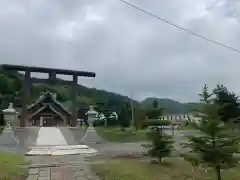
{"points": [[91, 114], [91, 135], [8, 140], [10, 115]]}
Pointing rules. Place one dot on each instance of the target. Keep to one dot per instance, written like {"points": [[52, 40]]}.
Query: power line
{"points": [[179, 27]]}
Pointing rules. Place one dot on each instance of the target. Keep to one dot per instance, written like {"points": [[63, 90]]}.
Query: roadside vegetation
{"points": [[124, 129], [211, 154], [172, 169], [11, 166]]}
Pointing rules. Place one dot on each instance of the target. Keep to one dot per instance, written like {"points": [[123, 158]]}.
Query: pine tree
{"points": [[155, 111], [124, 117], [229, 103], [2, 120], [161, 144], [140, 117], [215, 145]]}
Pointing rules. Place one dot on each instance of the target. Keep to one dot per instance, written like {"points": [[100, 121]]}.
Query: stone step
{"points": [[60, 150]]}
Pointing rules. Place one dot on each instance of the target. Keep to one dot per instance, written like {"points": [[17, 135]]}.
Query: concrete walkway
{"points": [[69, 167], [54, 159], [50, 136], [51, 141]]}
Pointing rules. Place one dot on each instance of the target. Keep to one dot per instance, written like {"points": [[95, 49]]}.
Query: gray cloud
{"points": [[130, 51]]}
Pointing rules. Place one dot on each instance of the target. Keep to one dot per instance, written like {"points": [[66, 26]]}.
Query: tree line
{"points": [[11, 91], [130, 116]]}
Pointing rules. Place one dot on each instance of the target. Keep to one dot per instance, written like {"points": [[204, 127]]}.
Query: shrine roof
{"points": [[52, 97]]}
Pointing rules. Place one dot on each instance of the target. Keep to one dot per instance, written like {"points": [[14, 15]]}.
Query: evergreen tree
{"points": [[140, 118], [154, 112], [124, 117], [215, 145], [155, 104], [161, 144], [2, 120], [229, 103]]}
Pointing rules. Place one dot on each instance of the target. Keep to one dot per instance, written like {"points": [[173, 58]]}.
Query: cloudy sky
{"points": [[129, 51]]}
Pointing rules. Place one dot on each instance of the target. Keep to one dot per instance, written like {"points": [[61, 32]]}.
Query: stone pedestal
{"points": [[8, 139], [91, 135], [91, 114], [10, 116]]}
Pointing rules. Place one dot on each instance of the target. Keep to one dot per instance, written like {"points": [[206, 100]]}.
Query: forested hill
{"points": [[11, 84], [170, 106]]}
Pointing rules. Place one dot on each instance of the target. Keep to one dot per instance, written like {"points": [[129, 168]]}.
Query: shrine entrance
{"points": [[52, 79], [48, 122]]}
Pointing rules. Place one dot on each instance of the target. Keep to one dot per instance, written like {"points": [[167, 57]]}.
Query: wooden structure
{"points": [[52, 74], [47, 111]]}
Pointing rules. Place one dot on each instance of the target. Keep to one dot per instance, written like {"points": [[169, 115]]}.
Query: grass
{"points": [[10, 166], [117, 135], [134, 169]]}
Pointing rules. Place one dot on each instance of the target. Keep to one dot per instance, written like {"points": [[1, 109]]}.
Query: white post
{"points": [[41, 121], [132, 109]]}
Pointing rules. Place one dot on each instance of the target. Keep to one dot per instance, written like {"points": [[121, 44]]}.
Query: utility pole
{"points": [[132, 109]]}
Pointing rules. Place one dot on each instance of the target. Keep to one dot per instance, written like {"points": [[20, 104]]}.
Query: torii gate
{"points": [[52, 74]]}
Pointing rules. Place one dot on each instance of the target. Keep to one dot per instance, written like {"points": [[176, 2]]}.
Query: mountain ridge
{"points": [[171, 106]]}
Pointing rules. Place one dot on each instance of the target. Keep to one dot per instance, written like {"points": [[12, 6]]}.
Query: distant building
{"points": [[183, 117], [179, 118]]}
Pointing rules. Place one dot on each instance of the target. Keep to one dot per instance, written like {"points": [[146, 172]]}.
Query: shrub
{"points": [[161, 144]]}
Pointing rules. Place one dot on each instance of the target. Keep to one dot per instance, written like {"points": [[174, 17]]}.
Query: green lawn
{"points": [[115, 134], [172, 169], [10, 166]]}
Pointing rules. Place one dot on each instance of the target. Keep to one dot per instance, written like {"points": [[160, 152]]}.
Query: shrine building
{"points": [[47, 111]]}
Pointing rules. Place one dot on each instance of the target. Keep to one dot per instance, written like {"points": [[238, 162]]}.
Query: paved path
{"points": [[60, 159], [50, 136], [60, 168], [51, 141]]}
